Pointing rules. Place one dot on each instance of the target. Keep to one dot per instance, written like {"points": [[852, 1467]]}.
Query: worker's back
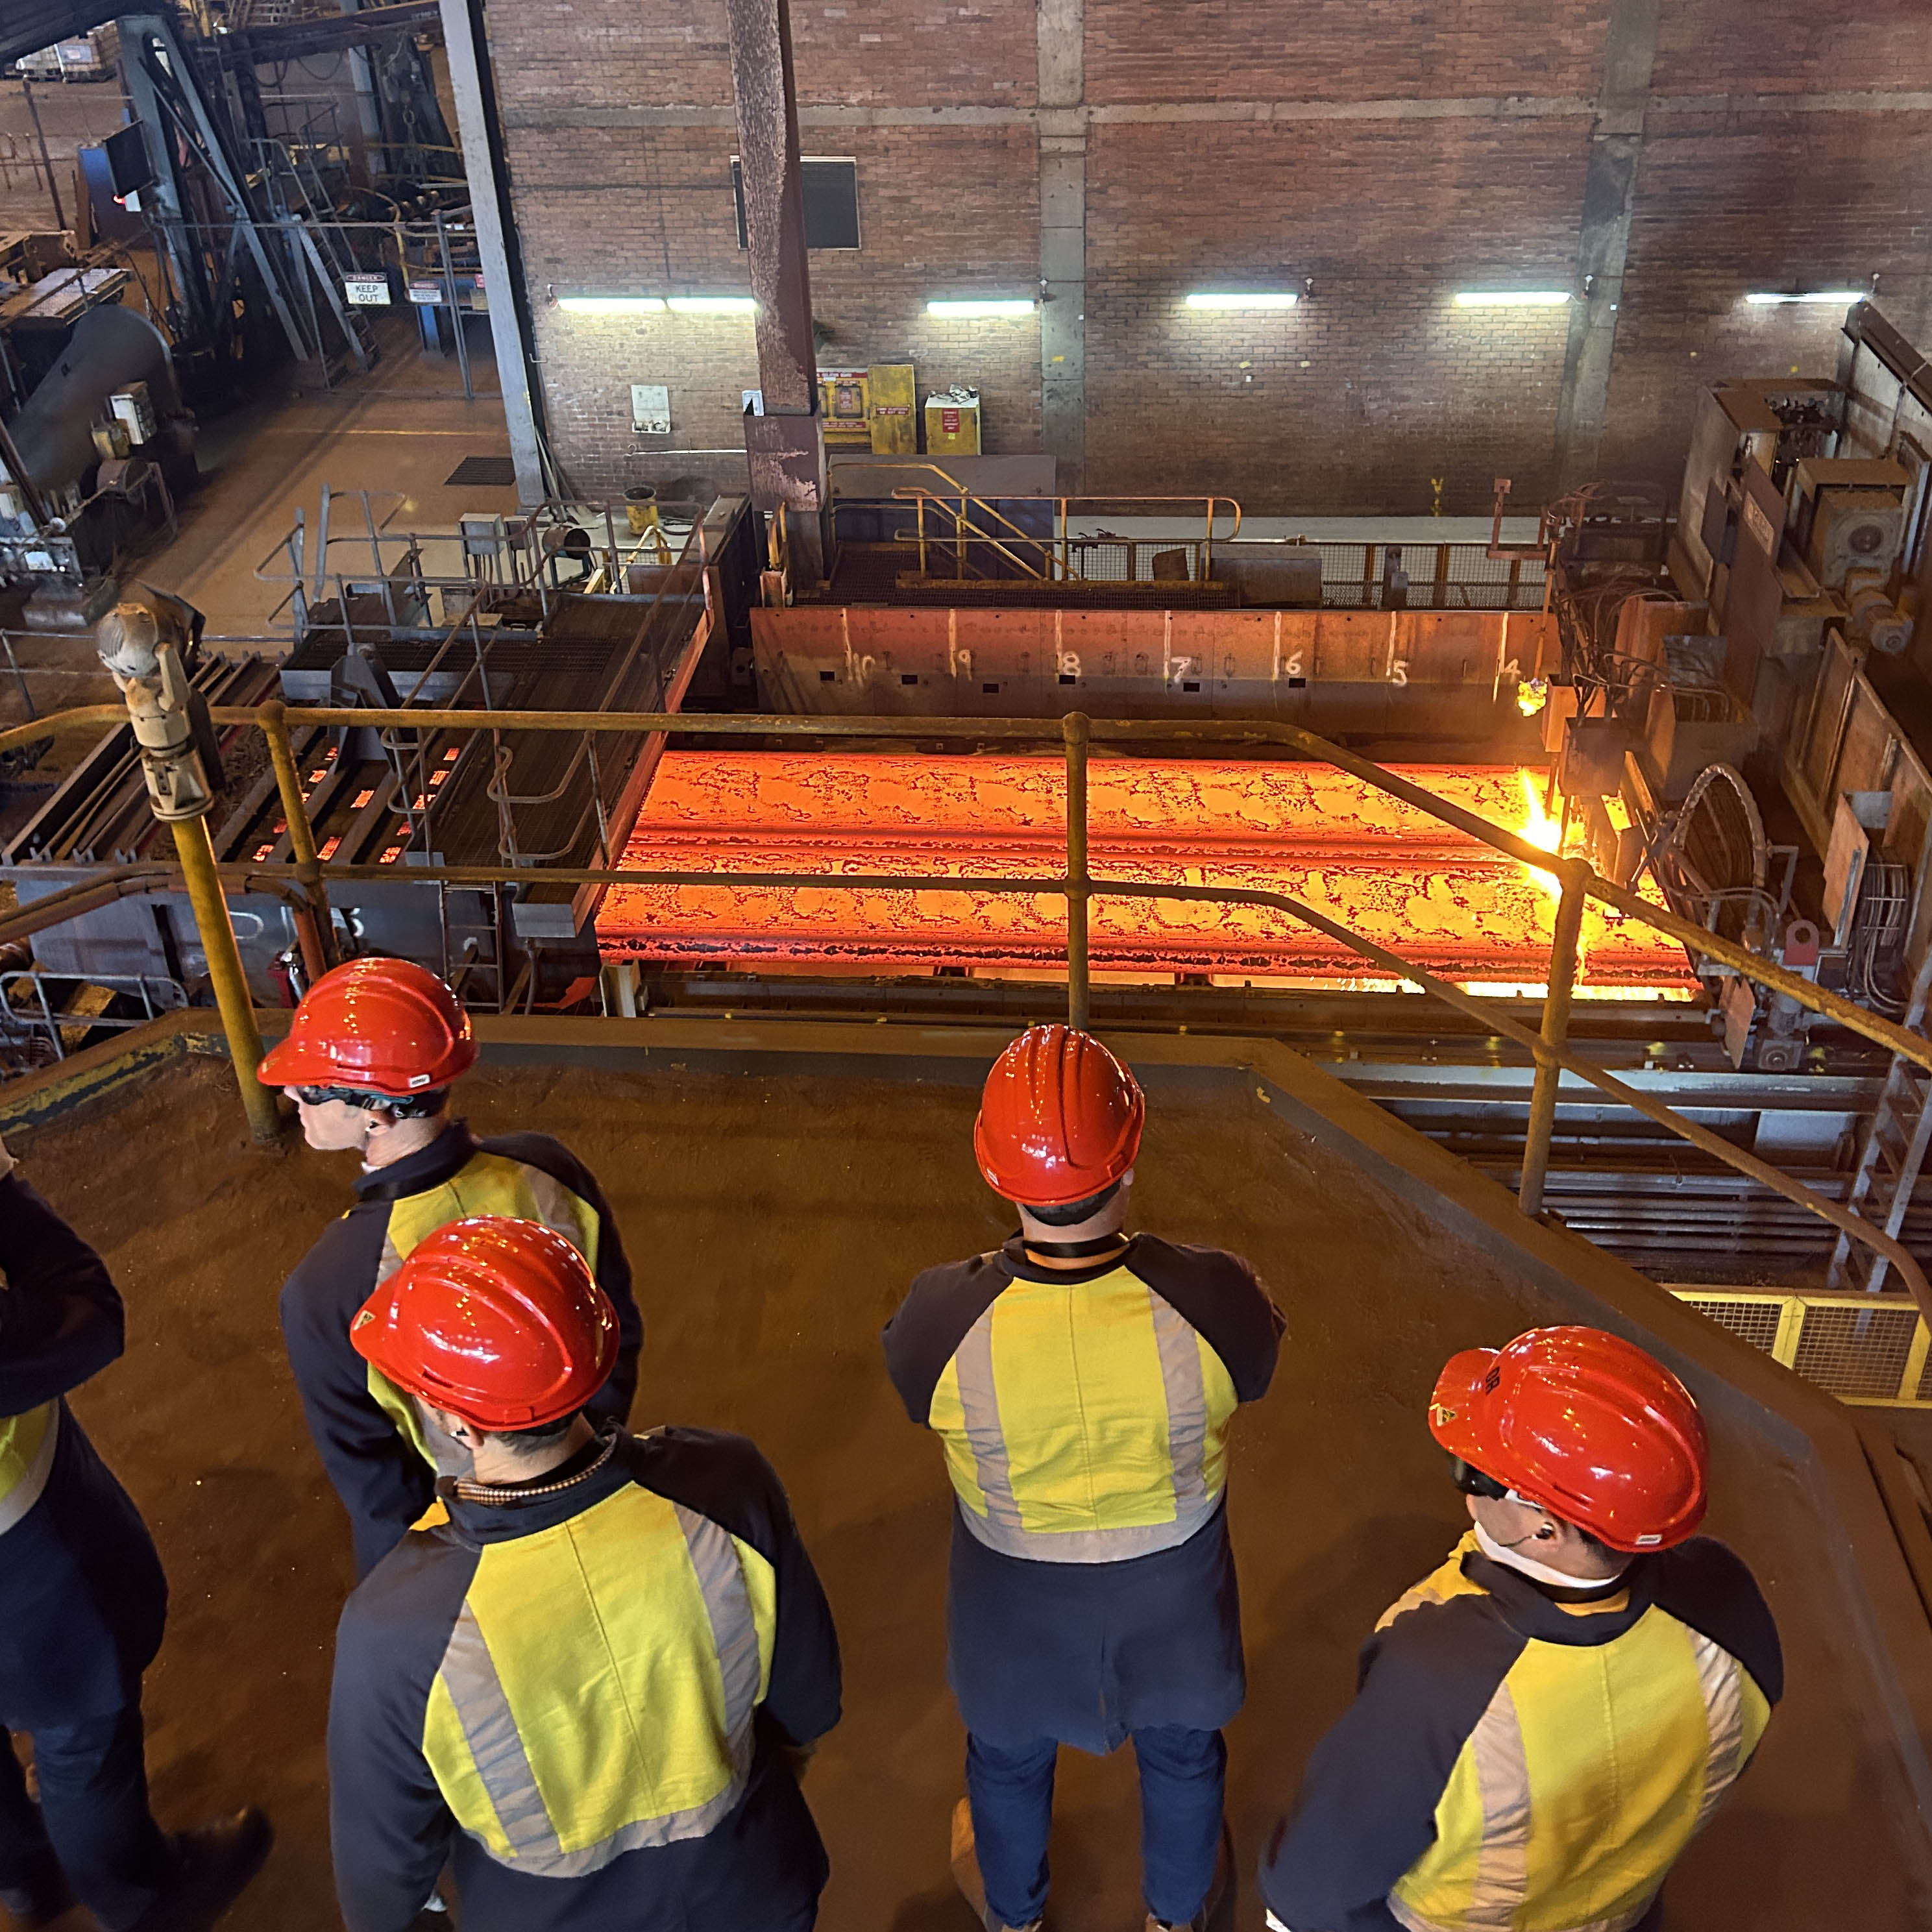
{"points": [[579, 1669], [1084, 1409], [1526, 1764], [381, 1459]]}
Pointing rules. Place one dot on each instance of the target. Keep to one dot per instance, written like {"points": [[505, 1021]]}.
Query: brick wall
{"points": [[1412, 148], [1376, 385]]}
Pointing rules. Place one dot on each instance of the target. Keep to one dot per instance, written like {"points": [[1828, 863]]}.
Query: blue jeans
{"points": [[93, 1819], [1183, 1775]]}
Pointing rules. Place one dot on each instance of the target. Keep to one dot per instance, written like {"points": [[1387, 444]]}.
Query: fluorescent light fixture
{"points": [[978, 308], [1257, 298], [611, 304], [1512, 298], [1837, 298], [713, 305]]}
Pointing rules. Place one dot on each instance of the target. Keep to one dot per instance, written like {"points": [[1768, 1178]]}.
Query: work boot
{"points": [[41, 1899], [966, 1874], [216, 1861], [1217, 1891]]}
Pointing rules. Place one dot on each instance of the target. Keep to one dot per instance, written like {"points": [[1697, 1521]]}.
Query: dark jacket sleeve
{"points": [[389, 1827], [384, 1484], [1704, 1583], [60, 1317], [1366, 1809], [940, 1307], [1220, 1294], [726, 1478], [612, 1402]]}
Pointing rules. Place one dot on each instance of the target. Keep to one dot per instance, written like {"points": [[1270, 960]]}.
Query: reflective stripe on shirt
{"points": [[27, 1444], [1588, 1773], [634, 1641], [1085, 1423]]}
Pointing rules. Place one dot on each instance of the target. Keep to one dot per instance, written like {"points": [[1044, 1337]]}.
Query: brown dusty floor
{"points": [[775, 1222]]}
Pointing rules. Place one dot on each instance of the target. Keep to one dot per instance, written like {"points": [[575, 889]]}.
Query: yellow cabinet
{"points": [[894, 428], [952, 423]]}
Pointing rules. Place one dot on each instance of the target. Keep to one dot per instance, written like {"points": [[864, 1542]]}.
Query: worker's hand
{"points": [[798, 1756]]}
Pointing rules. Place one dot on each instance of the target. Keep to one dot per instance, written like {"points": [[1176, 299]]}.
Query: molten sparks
{"points": [[1539, 829]]}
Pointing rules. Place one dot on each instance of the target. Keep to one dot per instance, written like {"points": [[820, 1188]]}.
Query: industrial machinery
{"points": [[93, 461], [382, 617], [1725, 727]]}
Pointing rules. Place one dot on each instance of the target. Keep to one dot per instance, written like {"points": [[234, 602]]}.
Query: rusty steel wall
{"points": [[1386, 871], [1339, 670]]}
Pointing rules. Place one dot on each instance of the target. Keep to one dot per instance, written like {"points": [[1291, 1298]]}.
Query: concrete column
{"points": [[1062, 47], [786, 444], [1609, 197], [477, 128]]}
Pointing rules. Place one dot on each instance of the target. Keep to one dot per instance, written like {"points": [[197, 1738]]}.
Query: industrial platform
{"points": [[777, 1186]]}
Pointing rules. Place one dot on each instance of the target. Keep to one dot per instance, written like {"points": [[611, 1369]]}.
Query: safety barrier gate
{"points": [[1867, 1349]]}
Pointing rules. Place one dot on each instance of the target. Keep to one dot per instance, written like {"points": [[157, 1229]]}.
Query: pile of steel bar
{"points": [[1384, 869]]}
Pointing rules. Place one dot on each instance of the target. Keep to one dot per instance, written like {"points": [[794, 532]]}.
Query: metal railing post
{"points": [[302, 841], [1073, 727], [232, 999], [1563, 948]]}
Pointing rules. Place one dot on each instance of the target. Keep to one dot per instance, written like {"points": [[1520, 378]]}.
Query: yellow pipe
{"points": [[195, 851], [1563, 950], [301, 835]]}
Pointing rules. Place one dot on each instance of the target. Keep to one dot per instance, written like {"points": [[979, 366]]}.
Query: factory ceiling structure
{"points": [[751, 580]]}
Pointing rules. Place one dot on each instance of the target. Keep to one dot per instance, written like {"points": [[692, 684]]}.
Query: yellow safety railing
{"points": [[1548, 1047], [1868, 1349], [1017, 545]]}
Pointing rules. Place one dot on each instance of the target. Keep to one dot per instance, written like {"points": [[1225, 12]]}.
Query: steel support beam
{"points": [[474, 88], [153, 36], [1602, 245], [1062, 124], [786, 444]]}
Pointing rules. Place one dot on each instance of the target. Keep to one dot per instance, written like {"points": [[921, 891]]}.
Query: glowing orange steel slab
{"points": [[1385, 870]]}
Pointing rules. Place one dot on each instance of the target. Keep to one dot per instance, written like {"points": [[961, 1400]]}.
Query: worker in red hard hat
{"points": [[1544, 1723], [591, 1687], [371, 1054], [1082, 1379]]}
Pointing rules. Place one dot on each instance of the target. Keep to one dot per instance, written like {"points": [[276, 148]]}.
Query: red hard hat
{"points": [[381, 1026], [497, 1321], [1584, 1425], [1060, 1119]]}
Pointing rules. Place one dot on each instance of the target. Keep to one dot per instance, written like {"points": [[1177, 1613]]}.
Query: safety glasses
{"points": [[1471, 1482], [320, 1097]]}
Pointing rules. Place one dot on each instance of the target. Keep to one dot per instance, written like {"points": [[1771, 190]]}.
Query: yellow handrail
{"points": [[1549, 1050]]}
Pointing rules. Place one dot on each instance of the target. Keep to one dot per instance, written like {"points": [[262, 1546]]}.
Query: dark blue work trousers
{"points": [[1184, 1774], [92, 1821]]}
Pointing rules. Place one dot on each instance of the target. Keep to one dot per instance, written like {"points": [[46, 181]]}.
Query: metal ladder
{"points": [[1891, 1157], [319, 240]]}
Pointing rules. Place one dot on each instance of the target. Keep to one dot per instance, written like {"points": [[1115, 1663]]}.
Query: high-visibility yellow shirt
{"points": [[1084, 1412], [572, 1672], [1516, 1763]]}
